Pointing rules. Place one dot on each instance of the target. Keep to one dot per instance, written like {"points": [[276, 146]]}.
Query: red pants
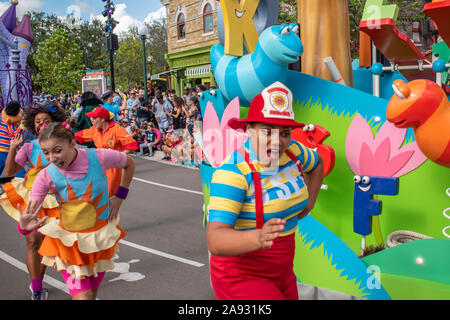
{"points": [[259, 275]]}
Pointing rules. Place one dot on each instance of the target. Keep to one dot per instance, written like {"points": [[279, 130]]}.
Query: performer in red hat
{"points": [[257, 196], [106, 134]]}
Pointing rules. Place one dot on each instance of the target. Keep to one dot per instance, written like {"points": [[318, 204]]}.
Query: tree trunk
{"points": [[325, 32]]}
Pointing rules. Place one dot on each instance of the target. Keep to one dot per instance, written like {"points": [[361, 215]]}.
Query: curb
{"points": [[157, 157]]}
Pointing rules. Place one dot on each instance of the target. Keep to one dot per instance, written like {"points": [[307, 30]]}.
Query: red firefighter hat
{"points": [[272, 106]]}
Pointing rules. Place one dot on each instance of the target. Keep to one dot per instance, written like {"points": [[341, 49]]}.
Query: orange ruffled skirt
{"points": [[80, 254], [16, 193]]}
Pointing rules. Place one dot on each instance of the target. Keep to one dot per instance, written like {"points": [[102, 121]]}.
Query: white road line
{"points": [[167, 186], [162, 254], [47, 279]]}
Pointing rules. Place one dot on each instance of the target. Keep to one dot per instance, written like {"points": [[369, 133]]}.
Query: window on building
{"points": [[181, 26], [207, 19]]}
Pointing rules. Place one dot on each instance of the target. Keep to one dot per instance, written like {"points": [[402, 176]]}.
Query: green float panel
{"points": [[442, 51], [427, 259], [406, 288], [377, 9]]}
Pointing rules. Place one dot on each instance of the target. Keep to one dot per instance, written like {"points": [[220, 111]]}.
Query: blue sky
{"points": [[128, 12], [138, 9]]}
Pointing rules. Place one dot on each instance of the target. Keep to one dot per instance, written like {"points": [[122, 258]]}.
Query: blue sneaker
{"points": [[40, 295]]}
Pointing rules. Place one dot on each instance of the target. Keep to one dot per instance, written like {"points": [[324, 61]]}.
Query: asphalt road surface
{"points": [[163, 256]]}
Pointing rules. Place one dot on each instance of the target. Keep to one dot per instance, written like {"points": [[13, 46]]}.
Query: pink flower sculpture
{"points": [[219, 140], [383, 156]]}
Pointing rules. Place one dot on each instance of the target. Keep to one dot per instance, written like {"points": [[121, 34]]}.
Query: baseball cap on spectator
{"points": [[99, 112], [107, 94]]}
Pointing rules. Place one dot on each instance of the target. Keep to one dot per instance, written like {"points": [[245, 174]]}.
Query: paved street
{"points": [[163, 256]]}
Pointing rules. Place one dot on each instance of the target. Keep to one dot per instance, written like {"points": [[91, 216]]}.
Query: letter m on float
{"points": [[239, 26]]}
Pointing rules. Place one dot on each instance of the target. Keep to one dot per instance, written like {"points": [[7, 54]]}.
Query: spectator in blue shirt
{"points": [[132, 104], [159, 108], [108, 104]]}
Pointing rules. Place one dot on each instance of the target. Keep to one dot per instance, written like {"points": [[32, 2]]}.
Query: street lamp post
{"points": [[143, 31]]}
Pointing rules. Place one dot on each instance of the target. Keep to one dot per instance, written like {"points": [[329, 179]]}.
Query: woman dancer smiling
{"points": [[82, 243]]}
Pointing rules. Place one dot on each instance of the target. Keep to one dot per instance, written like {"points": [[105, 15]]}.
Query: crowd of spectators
{"points": [[162, 122]]}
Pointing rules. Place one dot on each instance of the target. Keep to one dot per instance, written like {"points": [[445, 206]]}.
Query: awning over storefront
{"points": [[163, 74], [159, 75], [203, 70]]}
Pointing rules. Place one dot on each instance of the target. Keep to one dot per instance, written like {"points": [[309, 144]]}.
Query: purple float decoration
{"points": [[15, 42]]}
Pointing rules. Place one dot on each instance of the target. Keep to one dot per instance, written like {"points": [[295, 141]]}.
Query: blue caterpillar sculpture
{"points": [[246, 76]]}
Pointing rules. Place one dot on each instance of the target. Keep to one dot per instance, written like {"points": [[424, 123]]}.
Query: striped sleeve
{"points": [[228, 190], [308, 157], [6, 134]]}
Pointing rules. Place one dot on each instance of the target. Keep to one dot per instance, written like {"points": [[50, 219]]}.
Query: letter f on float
{"points": [[364, 205], [378, 163], [239, 26]]}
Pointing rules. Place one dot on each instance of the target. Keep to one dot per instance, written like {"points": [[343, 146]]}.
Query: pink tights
{"points": [[77, 286]]}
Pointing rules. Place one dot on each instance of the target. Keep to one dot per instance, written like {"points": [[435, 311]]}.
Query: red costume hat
{"points": [[99, 112], [273, 106]]}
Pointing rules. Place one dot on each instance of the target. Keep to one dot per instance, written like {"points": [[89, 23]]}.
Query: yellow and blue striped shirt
{"points": [[285, 195]]}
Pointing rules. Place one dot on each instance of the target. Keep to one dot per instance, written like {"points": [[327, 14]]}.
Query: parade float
{"points": [[383, 131], [15, 42]]}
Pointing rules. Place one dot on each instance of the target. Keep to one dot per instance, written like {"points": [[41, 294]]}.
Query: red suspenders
{"points": [[259, 205]]}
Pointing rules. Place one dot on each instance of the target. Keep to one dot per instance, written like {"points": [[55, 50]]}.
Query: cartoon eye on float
{"points": [[401, 89], [309, 127], [239, 14], [365, 180], [357, 179], [286, 30], [296, 29], [312, 136]]}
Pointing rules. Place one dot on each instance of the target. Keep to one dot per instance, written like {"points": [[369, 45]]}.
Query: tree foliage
{"points": [[59, 64], [89, 37], [287, 11], [158, 45], [128, 66], [129, 59]]}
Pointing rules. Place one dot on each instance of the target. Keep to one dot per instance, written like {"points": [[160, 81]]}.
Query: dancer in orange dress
{"points": [[107, 134], [83, 241], [17, 192]]}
